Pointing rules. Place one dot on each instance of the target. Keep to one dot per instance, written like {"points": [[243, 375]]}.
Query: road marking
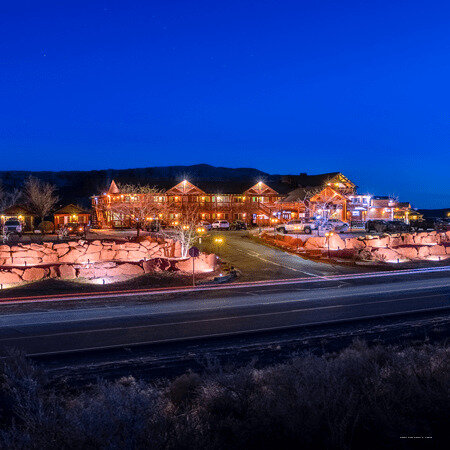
{"points": [[230, 333]]}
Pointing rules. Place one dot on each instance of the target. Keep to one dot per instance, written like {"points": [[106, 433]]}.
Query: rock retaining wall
{"points": [[95, 260], [82, 251], [400, 247]]}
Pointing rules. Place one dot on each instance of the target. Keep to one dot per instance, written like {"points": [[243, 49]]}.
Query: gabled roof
{"points": [[328, 194], [71, 210], [185, 188], [260, 188], [18, 210], [113, 189]]}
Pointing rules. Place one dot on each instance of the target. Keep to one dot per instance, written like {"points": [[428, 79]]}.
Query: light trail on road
{"points": [[224, 286]]}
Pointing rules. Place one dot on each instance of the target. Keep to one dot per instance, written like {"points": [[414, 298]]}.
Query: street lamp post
{"points": [[328, 235], [297, 234]]}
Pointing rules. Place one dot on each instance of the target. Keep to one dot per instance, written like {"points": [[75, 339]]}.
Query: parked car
{"points": [[220, 225], [379, 226], [205, 224], [13, 226], [297, 226], [77, 229], [425, 224], [442, 225], [154, 226], [397, 226], [238, 225], [337, 225]]}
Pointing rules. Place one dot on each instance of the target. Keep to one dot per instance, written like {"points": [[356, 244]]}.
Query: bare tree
{"points": [[137, 204], [40, 196], [9, 198], [184, 227]]}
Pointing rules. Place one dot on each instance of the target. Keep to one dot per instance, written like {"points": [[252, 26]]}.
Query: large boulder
{"points": [[354, 243], [136, 255], [409, 239], [315, 242], [33, 274], [50, 258], [91, 248], [437, 250], [380, 242], [423, 251], [335, 242], [407, 251], [26, 261], [386, 254], [67, 272], [107, 255], [61, 251], [9, 277], [61, 245], [28, 254], [125, 269], [71, 256], [430, 239]]}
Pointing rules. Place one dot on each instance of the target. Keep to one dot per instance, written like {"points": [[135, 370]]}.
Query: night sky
{"points": [[360, 87]]}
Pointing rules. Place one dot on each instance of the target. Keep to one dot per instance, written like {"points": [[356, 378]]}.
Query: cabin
{"points": [[22, 213], [70, 214]]}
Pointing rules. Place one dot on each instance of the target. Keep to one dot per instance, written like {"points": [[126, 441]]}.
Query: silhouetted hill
{"points": [[78, 186]]}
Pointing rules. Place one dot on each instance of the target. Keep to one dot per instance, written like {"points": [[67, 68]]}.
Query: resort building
{"points": [[330, 195]]}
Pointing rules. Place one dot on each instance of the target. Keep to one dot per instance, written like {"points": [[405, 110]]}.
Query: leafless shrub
{"points": [[361, 397]]}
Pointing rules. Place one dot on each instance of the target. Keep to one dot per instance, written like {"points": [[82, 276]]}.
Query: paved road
{"points": [[259, 262], [203, 314]]}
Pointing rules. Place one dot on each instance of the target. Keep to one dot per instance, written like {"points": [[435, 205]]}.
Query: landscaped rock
{"points": [[18, 271], [86, 273], [381, 242], [94, 248], [437, 250], [33, 274], [354, 243], [67, 272], [9, 278], [335, 242], [423, 251], [61, 245], [61, 251], [26, 261], [409, 251], [188, 265], [315, 242], [386, 254], [107, 255], [50, 259], [71, 257], [136, 255], [125, 269]]}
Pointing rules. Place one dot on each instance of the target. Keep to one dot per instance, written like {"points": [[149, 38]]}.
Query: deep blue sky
{"points": [[360, 87]]}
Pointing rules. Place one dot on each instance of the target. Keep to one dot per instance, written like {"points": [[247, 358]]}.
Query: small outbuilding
{"points": [[22, 213], [71, 213]]}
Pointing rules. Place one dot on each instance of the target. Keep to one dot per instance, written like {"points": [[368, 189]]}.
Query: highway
{"points": [[146, 318]]}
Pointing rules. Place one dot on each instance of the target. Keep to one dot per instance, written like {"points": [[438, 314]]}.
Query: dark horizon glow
{"points": [[359, 87]]}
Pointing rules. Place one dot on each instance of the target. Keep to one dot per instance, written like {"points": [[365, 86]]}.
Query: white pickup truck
{"points": [[297, 226]]}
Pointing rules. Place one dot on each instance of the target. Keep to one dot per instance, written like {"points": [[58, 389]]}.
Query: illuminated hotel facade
{"points": [[330, 195]]}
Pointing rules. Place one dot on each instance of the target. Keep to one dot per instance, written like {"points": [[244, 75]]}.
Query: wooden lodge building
{"points": [[330, 195]]}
